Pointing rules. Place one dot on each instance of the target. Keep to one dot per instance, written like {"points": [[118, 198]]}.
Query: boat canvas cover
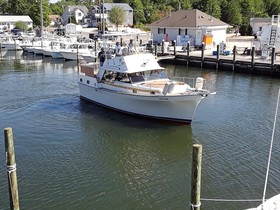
{"points": [[132, 63]]}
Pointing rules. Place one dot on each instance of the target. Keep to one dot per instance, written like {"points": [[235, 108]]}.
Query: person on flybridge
{"points": [[118, 49]]}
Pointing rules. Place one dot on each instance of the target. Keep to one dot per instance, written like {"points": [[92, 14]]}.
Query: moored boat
{"points": [[137, 84]]}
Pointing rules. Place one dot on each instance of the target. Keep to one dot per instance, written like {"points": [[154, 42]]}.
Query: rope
{"points": [[271, 144], [229, 200], [10, 169], [195, 206]]}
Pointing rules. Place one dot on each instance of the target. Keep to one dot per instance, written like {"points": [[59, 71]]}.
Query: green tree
{"points": [[117, 16], [21, 25], [3, 6], [17, 7], [272, 7], [232, 13], [34, 12], [138, 11]]}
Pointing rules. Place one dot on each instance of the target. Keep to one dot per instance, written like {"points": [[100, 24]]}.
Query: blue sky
{"points": [[53, 1]]}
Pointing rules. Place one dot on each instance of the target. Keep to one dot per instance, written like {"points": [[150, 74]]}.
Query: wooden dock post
{"points": [[272, 58], [234, 57], [162, 48], [196, 176], [253, 57], [78, 62], [218, 56], [95, 47], [1, 50], [11, 169], [121, 43], [141, 42], [202, 54], [155, 49], [174, 44], [188, 52]]}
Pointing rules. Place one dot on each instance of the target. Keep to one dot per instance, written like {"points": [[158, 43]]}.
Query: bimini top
{"points": [[132, 63]]}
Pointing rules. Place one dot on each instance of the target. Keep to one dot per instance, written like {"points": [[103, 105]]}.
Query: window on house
{"points": [[182, 31], [161, 30], [79, 14], [260, 28]]}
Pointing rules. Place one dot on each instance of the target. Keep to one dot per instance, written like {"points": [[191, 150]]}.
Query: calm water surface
{"points": [[72, 154]]}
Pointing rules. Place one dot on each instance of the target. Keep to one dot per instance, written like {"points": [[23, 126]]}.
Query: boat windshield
{"points": [[155, 74]]}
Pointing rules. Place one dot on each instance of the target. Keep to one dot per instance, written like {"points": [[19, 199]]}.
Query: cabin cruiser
{"points": [[137, 84]]}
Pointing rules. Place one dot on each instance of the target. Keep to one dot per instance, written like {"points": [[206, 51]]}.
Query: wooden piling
{"points": [[202, 54], [253, 57], [155, 49], [162, 48], [218, 56], [272, 58], [95, 47], [78, 62], [141, 42], [234, 57], [188, 52], [1, 50], [196, 176], [121, 43], [174, 44], [11, 169]]}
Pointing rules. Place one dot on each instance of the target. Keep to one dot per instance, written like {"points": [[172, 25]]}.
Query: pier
{"points": [[241, 60]]}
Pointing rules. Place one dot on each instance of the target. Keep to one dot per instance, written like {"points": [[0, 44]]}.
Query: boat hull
{"points": [[171, 108]]}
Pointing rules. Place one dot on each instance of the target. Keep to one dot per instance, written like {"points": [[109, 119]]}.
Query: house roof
{"points": [[109, 6], [260, 20], [15, 18], [188, 18], [84, 9]]}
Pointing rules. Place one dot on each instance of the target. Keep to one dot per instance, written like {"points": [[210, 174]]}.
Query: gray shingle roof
{"points": [[188, 18], [75, 7], [14, 18], [109, 6]]}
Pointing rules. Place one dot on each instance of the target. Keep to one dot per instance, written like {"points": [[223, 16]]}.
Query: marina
{"points": [[74, 154]]}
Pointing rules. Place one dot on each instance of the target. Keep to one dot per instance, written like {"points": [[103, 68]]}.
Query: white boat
{"points": [[272, 203], [3, 52], [137, 84], [10, 44], [75, 51], [90, 57]]}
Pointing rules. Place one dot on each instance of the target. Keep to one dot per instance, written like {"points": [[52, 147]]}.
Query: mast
{"points": [[41, 16]]}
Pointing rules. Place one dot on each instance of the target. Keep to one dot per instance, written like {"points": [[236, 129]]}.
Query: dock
{"points": [[243, 63]]}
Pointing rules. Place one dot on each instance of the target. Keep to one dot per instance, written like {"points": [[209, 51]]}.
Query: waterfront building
{"points": [[193, 25], [7, 22]]}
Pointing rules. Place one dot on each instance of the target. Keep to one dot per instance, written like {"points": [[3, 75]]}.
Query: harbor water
{"points": [[72, 154]]}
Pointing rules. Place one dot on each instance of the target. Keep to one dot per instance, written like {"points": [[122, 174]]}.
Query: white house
{"points": [[259, 24], [194, 26], [7, 22], [102, 13], [78, 12]]}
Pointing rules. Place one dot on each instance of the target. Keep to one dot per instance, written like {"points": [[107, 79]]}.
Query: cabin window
{"points": [[260, 28], [79, 14], [88, 82], [136, 78], [81, 80], [161, 30], [186, 31]]}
